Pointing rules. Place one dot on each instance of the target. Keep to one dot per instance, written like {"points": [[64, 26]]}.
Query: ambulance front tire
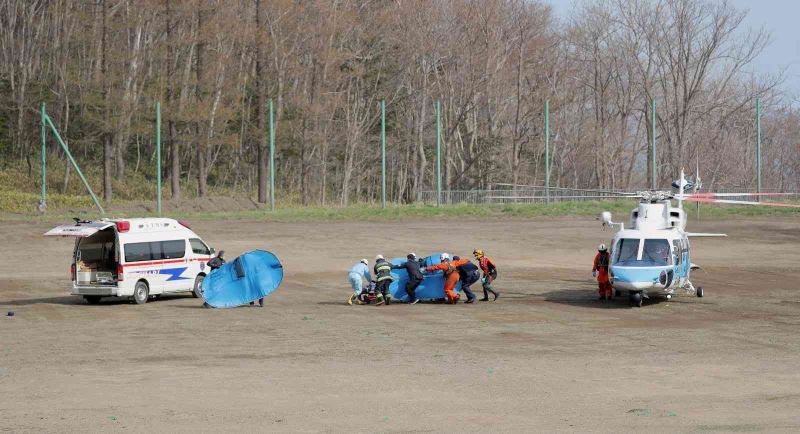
{"points": [[197, 292], [617, 293], [92, 299], [141, 292]]}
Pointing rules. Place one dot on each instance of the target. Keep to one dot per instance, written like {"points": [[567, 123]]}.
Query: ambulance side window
{"points": [[136, 252], [173, 249], [199, 247]]}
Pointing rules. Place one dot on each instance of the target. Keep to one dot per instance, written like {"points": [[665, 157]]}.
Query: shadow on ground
{"points": [[589, 299]]}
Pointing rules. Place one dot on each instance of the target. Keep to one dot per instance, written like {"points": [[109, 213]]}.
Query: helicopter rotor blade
{"points": [[711, 195], [741, 202]]}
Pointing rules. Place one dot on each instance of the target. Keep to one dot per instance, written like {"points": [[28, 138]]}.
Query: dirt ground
{"points": [[545, 357]]}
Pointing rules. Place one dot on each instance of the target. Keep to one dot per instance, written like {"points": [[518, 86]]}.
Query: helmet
{"points": [[412, 256], [602, 248], [364, 261], [456, 258], [478, 253], [444, 257], [378, 258]]}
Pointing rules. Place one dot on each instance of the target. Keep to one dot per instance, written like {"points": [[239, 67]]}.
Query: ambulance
{"points": [[138, 258]]}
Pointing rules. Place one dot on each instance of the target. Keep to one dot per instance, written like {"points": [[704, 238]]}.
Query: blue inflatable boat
{"points": [[432, 286], [247, 278]]}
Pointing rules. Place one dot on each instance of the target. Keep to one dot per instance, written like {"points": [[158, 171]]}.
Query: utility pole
{"points": [[158, 157], [271, 158], [547, 149], [653, 183], [383, 153], [438, 154], [758, 145]]}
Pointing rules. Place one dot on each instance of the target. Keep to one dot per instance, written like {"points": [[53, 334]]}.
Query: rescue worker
{"points": [[357, 274], [383, 278], [489, 274], [414, 276], [450, 275], [600, 271], [468, 273]]}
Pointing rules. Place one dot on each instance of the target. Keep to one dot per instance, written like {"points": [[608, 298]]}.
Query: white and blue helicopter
{"points": [[651, 259]]}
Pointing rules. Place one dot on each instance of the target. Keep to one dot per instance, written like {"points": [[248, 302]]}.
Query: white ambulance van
{"points": [[138, 258]]}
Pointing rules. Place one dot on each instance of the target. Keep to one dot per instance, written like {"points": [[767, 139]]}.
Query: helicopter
{"points": [[652, 257]]}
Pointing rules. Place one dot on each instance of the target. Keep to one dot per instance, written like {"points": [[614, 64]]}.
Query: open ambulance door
{"points": [[78, 229]]}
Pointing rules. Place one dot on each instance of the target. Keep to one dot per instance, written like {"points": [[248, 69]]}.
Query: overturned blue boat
{"points": [[432, 286], [247, 278]]}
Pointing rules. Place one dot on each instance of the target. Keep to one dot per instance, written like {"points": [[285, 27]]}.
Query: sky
{"points": [[779, 17]]}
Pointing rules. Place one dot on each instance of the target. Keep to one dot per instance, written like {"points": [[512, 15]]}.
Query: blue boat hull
{"points": [[247, 278], [431, 288]]}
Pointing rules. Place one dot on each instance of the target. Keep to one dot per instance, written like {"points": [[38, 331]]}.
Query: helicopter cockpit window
{"points": [[677, 250], [656, 252], [627, 251]]}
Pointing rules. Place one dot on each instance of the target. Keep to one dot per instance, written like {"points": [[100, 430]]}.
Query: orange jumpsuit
{"points": [[601, 267], [450, 277]]}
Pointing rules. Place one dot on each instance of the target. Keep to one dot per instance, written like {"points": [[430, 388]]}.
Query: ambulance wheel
{"points": [[92, 299], [700, 291], [141, 292], [617, 293], [636, 299], [197, 292]]}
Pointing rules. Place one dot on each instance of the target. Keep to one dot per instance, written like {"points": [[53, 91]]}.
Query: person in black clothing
{"points": [[469, 274], [414, 276], [383, 278]]}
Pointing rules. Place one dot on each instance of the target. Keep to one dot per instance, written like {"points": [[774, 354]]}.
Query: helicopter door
{"points": [[679, 254]]}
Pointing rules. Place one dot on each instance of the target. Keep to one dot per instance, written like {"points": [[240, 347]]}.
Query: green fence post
{"points": [[383, 153], [158, 157], [653, 180], [74, 164], [271, 158], [547, 149], [43, 203], [758, 145], [438, 155]]}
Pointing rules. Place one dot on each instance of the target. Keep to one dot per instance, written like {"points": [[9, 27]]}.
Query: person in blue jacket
{"points": [[469, 274], [359, 272]]}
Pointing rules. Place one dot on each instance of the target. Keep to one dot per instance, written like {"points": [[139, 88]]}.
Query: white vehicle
{"points": [[136, 258]]}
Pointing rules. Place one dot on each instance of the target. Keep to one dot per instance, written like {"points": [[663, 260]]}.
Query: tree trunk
{"points": [[174, 146], [108, 150]]}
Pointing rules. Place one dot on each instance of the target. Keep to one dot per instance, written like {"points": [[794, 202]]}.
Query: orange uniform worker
{"points": [[489, 274], [451, 276], [600, 270]]}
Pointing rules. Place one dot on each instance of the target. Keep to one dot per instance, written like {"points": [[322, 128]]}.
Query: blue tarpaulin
{"points": [[247, 278]]}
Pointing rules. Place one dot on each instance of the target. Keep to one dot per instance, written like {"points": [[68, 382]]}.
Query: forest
{"points": [[100, 66]]}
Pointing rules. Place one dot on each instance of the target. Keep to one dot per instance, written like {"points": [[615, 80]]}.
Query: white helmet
{"points": [[379, 257], [364, 261], [444, 257], [413, 255], [602, 248]]}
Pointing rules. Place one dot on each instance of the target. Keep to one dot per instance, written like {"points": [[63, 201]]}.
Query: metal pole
{"points": [[547, 149], [43, 203], [653, 183], [438, 155], [271, 158], [158, 157], [383, 153], [758, 145], [74, 164]]}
